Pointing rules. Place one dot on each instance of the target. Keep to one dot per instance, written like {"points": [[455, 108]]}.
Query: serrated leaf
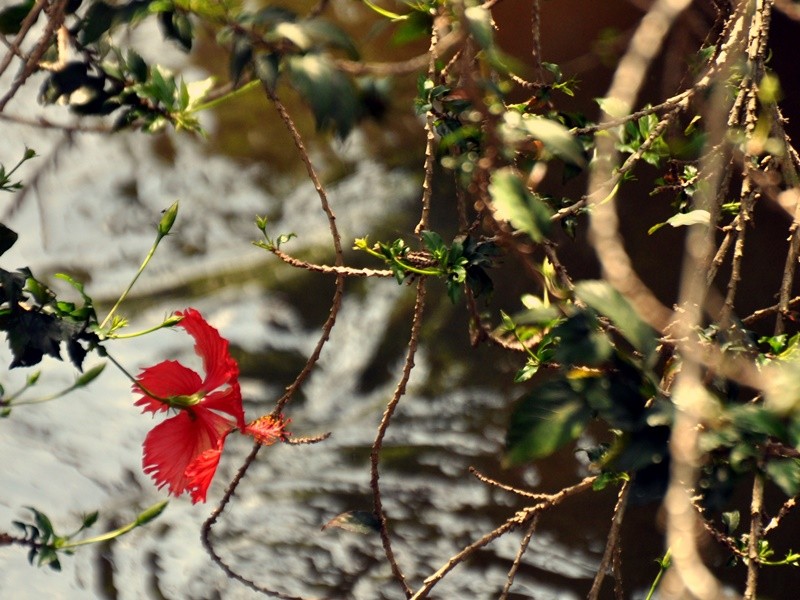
{"points": [[607, 301], [546, 419], [514, 202], [98, 20], [356, 521]]}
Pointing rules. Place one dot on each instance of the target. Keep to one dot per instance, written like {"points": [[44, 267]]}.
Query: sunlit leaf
{"points": [[556, 138], [514, 202]]}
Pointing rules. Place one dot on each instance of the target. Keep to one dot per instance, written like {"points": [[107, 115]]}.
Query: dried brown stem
{"points": [[520, 518], [383, 427], [612, 545]]}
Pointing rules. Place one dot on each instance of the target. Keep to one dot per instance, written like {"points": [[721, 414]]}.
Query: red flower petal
{"points": [[220, 368], [227, 401], [173, 445], [168, 378], [200, 472]]}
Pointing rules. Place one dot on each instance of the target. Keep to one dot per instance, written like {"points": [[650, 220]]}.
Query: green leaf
{"points": [[607, 301], [12, 16], [356, 521], [177, 26], [267, 69], [556, 137], [546, 419], [695, 217], [785, 473], [581, 342], [514, 202], [330, 93], [98, 20], [730, 521]]}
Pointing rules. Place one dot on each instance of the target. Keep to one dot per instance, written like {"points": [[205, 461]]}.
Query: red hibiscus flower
{"points": [[183, 451]]}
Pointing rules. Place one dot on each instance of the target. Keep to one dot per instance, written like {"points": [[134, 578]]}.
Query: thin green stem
{"points": [[663, 565], [137, 383], [124, 295], [144, 518], [125, 336], [229, 96]]}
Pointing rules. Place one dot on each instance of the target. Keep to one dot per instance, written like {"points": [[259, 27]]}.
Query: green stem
{"points": [[663, 565], [125, 336], [411, 269], [137, 383], [124, 295], [229, 96], [527, 350], [147, 516]]}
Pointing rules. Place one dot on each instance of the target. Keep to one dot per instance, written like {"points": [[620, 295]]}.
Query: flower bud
{"points": [[167, 219]]}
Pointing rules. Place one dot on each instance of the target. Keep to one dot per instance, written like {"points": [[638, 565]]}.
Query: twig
{"points": [[611, 553], [756, 533], [520, 518], [523, 546], [430, 141], [328, 269], [375, 451], [54, 21]]}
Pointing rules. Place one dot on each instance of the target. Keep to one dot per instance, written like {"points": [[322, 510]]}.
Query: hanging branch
{"points": [[611, 553], [383, 427]]}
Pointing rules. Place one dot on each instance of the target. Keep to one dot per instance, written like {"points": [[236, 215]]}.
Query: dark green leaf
{"points": [[177, 26], [581, 342], [754, 419], [241, 58], [330, 93], [267, 69], [416, 26], [89, 520], [12, 16], [98, 20], [607, 301], [8, 238], [547, 418]]}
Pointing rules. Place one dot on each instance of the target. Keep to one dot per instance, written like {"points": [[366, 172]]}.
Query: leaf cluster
{"points": [[36, 322], [44, 542], [462, 263]]}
